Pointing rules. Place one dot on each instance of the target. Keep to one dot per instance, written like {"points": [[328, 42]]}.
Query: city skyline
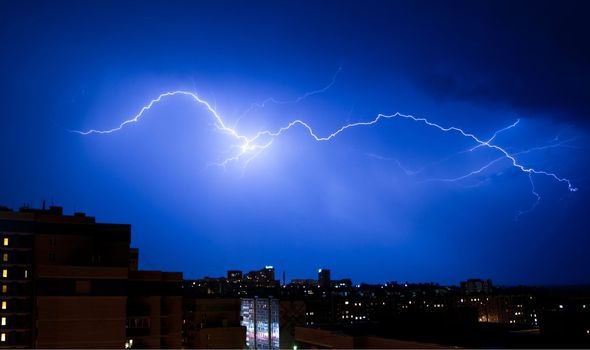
{"points": [[237, 274], [408, 141], [64, 277]]}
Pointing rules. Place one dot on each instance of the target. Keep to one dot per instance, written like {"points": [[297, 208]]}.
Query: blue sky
{"points": [[369, 203]]}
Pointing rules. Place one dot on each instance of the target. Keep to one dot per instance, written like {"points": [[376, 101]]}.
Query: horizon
{"points": [[27, 206]]}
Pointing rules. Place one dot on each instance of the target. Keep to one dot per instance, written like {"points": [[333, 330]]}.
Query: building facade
{"points": [[260, 316], [63, 280], [212, 323], [70, 282], [154, 310]]}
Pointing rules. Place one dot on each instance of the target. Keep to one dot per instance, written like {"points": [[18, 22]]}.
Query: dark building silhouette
{"points": [[565, 321], [314, 338], [292, 314], [64, 280], [476, 286], [324, 278], [262, 278], [234, 275], [212, 323], [154, 310], [70, 282], [133, 259]]}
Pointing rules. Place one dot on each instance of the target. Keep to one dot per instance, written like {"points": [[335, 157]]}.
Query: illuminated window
{"points": [[3, 321], [5, 241], [4, 273], [26, 273], [3, 337], [4, 305], [4, 288], [5, 257]]}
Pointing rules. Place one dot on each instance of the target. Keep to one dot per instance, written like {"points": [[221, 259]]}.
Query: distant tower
{"points": [[324, 278], [284, 283]]}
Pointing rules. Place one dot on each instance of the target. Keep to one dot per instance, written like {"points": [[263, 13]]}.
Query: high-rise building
{"points": [[262, 278], [260, 316], [324, 278], [63, 280], [234, 276], [70, 282]]}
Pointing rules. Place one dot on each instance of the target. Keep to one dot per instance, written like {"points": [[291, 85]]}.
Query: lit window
{"points": [[5, 257], [4, 288], [5, 241], [4, 305], [3, 321], [4, 273], [26, 273], [3, 337]]}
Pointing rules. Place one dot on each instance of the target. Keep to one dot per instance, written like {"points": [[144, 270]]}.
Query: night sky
{"points": [[369, 204]]}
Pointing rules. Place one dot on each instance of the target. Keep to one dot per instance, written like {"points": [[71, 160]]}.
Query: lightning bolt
{"points": [[535, 203], [250, 147], [409, 172], [256, 106], [496, 134], [488, 165]]}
